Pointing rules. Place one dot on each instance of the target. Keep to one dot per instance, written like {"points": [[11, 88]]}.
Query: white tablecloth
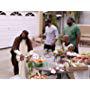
{"points": [[83, 74], [77, 75]]}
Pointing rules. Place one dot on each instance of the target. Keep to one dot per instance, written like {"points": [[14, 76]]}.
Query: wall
{"points": [[12, 26], [85, 29], [85, 17]]}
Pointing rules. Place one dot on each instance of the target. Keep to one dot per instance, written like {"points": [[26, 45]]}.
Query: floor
{"points": [[6, 69]]}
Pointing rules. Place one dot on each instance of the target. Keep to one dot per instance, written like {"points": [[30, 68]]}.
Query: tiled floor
{"points": [[6, 69]]}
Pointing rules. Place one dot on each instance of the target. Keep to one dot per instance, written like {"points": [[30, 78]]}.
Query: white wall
{"points": [[12, 26], [85, 17]]}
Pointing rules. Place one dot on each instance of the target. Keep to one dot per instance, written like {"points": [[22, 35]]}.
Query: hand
{"points": [[40, 36], [21, 57], [53, 43], [28, 58], [76, 45]]}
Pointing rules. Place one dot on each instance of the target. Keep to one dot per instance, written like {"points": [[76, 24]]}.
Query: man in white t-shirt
{"points": [[51, 36]]}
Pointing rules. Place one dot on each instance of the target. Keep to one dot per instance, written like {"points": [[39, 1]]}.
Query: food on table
{"points": [[88, 54], [35, 56], [82, 58], [62, 70], [39, 77], [58, 52], [39, 60], [73, 64], [35, 74], [55, 52], [53, 71], [75, 59], [57, 68], [80, 64], [66, 64], [31, 52], [72, 54], [32, 56], [78, 61], [35, 60], [61, 65]]}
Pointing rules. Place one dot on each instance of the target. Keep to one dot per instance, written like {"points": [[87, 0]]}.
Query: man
{"points": [[51, 36], [73, 31], [20, 49], [65, 43]]}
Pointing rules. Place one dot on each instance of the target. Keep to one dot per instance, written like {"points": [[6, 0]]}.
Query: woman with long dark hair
{"points": [[21, 47]]}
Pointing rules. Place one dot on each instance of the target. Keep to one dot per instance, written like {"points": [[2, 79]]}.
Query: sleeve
{"points": [[30, 53], [17, 52]]}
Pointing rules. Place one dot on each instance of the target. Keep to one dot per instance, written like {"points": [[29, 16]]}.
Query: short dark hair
{"points": [[25, 31], [48, 21], [72, 19]]}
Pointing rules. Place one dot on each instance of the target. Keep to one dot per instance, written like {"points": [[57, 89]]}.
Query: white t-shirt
{"points": [[66, 47], [51, 34]]}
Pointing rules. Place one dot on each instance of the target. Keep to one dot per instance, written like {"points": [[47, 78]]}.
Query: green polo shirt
{"points": [[72, 32]]}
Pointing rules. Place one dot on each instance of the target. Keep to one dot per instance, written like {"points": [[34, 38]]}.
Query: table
{"points": [[77, 74], [58, 73], [52, 63], [83, 74]]}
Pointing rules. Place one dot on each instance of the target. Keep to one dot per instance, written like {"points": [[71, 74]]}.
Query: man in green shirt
{"points": [[73, 31]]}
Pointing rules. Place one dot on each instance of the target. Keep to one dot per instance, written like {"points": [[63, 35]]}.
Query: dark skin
{"points": [[66, 39], [77, 40], [70, 23]]}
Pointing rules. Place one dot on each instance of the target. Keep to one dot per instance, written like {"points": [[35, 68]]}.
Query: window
{"points": [[2, 13], [16, 13], [29, 14]]}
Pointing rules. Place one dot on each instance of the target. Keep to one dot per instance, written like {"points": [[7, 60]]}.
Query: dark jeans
{"points": [[16, 69], [48, 47], [15, 66], [60, 75]]}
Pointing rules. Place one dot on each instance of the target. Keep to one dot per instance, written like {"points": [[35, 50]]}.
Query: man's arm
{"points": [[78, 40], [17, 52], [57, 35], [42, 35], [78, 34]]}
